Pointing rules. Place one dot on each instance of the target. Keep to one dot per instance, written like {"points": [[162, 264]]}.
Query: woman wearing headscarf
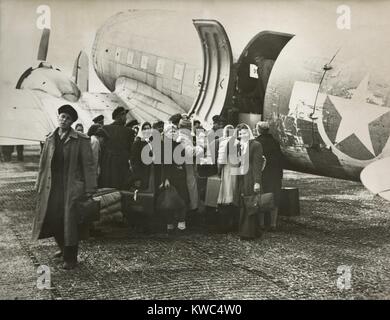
{"points": [[249, 179], [66, 173], [95, 134], [227, 160], [191, 152], [142, 157], [173, 173]]}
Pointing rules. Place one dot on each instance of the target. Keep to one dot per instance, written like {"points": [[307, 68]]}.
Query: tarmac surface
{"points": [[341, 224]]}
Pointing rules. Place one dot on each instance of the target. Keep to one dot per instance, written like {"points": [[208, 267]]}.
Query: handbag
{"points": [[140, 201], [249, 222], [169, 200], [251, 204], [88, 210], [266, 201]]}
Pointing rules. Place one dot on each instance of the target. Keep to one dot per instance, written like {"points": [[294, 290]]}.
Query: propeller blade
{"points": [[44, 45], [81, 71]]}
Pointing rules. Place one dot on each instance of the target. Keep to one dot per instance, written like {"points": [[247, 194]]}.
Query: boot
{"points": [[70, 257]]}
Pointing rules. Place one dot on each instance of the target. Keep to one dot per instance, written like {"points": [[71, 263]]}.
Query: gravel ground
{"points": [[340, 224]]}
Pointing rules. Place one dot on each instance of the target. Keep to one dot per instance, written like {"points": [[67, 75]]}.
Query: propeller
{"points": [[44, 45], [81, 71]]}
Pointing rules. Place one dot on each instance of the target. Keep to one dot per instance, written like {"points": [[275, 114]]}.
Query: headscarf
{"points": [[223, 145], [168, 127], [238, 128], [140, 134], [226, 130], [244, 146]]}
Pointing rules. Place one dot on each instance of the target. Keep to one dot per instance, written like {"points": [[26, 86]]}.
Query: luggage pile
{"points": [[110, 205]]}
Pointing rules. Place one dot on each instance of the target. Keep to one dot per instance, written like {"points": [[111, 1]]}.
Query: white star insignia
{"points": [[356, 115]]}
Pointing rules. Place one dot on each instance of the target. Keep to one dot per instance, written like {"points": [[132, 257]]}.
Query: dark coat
{"points": [[273, 171], [115, 156], [173, 171], [141, 171], [249, 225], [253, 175], [79, 177]]}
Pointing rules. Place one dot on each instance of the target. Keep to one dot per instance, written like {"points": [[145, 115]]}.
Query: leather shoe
{"points": [[69, 265]]}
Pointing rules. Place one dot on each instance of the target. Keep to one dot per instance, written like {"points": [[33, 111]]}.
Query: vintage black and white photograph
{"points": [[194, 150]]}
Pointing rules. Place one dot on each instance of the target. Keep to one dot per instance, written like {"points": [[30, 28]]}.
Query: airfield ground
{"points": [[341, 224]]}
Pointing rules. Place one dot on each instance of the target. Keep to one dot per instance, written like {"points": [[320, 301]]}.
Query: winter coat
{"points": [[273, 172], [79, 177], [141, 170], [115, 156]]}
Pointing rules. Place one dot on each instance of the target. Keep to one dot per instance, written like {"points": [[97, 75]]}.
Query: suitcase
{"points": [[289, 202], [212, 191], [138, 201], [139, 206]]}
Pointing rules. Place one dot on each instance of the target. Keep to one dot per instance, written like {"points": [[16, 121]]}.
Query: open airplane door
{"points": [[217, 65]]}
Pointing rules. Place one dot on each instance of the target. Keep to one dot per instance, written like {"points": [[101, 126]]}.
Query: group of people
{"points": [[152, 157]]}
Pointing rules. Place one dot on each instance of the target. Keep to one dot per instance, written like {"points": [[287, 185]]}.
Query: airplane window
{"points": [[144, 62], [253, 71], [178, 72], [160, 66], [130, 57]]}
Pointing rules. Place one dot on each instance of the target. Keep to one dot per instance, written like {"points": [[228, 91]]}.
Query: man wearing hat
{"points": [[213, 136], [133, 125], [271, 179], [99, 120], [66, 173], [114, 167]]}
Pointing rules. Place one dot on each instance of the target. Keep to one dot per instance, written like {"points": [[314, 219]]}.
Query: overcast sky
{"points": [[74, 23]]}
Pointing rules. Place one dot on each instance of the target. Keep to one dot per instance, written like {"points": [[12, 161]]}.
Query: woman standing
{"points": [[95, 133], [227, 160], [273, 172], [142, 157], [249, 180], [173, 173], [66, 173]]}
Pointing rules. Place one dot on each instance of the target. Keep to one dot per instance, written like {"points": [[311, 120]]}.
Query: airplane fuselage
{"points": [[328, 104]]}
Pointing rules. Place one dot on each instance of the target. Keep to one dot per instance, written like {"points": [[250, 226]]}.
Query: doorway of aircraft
{"points": [[253, 69]]}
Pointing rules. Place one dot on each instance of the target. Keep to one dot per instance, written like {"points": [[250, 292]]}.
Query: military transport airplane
{"points": [[327, 97]]}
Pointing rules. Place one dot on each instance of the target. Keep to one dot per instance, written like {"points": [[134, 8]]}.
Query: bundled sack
{"points": [[107, 197], [169, 200], [88, 210], [110, 201]]}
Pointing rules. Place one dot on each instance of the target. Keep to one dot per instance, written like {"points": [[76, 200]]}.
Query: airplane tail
{"points": [[81, 71]]}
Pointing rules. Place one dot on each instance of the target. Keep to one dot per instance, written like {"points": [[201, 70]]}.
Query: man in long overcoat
{"points": [[114, 167], [66, 173]]}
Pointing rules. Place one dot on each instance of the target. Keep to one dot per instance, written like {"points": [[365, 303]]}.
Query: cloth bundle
{"points": [[110, 204]]}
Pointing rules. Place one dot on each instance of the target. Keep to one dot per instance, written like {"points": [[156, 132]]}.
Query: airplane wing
{"points": [[375, 177], [22, 121], [27, 116]]}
